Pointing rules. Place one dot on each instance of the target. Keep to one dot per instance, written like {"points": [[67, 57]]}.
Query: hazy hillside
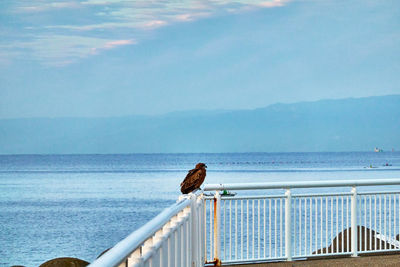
{"points": [[328, 125]]}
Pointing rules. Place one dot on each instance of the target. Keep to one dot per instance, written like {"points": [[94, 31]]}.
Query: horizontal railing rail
{"points": [[301, 184]]}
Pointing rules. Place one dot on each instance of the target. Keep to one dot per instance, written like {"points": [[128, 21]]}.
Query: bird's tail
{"points": [[187, 190]]}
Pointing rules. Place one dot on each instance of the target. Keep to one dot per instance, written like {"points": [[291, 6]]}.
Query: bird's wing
{"points": [[189, 176], [200, 176]]}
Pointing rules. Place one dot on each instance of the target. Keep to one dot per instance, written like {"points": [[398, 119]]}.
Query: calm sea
{"points": [[79, 205]]}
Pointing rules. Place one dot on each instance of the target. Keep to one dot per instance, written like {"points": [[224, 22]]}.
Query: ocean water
{"points": [[79, 205]]}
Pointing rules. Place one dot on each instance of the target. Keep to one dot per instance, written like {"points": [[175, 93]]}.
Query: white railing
{"points": [[250, 228], [173, 238], [219, 229]]}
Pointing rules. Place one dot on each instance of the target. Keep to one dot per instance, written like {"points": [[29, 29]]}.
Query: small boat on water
{"points": [[227, 193], [371, 167], [376, 149], [223, 193]]}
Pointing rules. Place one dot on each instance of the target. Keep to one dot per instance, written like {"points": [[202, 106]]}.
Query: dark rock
{"points": [[65, 262], [366, 241]]}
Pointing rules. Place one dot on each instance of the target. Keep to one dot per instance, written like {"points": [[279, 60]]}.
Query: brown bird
{"points": [[194, 178]]}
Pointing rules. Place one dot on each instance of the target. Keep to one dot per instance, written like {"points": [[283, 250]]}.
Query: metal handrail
{"points": [[184, 226], [301, 184], [124, 248]]}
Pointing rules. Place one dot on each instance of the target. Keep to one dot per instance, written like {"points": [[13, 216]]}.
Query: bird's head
{"points": [[200, 165]]}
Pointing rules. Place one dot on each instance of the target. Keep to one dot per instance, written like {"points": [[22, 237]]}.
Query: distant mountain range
{"points": [[327, 125]]}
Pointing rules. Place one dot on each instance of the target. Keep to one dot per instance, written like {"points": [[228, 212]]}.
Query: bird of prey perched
{"points": [[194, 178]]}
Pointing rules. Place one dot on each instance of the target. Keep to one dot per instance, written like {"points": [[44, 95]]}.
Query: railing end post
{"points": [[217, 228]]}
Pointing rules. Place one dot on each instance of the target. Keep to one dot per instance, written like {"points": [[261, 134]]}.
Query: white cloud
{"points": [[147, 15], [273, 3], [154, 23], [57, 42], [59, 50], [112, 44], [42, 6]]}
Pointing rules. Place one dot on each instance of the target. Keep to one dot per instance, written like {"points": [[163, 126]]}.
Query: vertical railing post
{"points": [[203, 248], [354, 237], [194, 230], [288, 225], [217, 232], [135, 259], [164, 247]]}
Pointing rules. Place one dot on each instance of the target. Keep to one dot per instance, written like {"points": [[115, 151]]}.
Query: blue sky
{"points": [[98, 58]]}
